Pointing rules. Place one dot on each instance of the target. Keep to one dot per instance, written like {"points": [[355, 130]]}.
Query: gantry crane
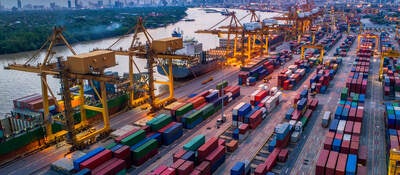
{"points": [[234, 29], [70, 72], [151, 53], [392, 54], [368, 36], [394, 158]]}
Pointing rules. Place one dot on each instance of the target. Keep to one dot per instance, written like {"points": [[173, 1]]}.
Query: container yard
{"points": [[322, 99]]}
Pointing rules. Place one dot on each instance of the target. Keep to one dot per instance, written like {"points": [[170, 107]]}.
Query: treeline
{"points": [[28, 30]]}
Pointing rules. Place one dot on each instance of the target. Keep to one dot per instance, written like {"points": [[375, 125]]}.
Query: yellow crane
{"points": [[74, 70], [394, 158], [368, 36], [153, 51], [392, 54]]}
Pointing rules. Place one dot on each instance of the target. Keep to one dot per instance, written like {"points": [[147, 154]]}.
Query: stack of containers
{"points": [[345, 46], [289, 78], [392, 113], [196, 157], [268, 164], [391, 78], [343, 138], [100, 161], [324, 74]]}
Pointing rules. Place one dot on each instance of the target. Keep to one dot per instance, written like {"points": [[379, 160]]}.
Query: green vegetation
{"points": [[28, 30]]}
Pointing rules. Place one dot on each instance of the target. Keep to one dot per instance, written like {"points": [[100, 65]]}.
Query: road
{"points": [[306, 160]]}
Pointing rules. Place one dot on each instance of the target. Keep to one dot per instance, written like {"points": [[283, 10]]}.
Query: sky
{"points": [[46, 3]]}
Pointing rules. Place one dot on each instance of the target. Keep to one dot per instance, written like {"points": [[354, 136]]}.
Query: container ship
{"points": [[202, 61]]}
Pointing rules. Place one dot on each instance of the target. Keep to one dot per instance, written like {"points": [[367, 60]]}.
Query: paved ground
{"points": [[306, 160]]}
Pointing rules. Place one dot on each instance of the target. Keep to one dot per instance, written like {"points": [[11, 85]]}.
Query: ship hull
{"points": [[183, 73]]}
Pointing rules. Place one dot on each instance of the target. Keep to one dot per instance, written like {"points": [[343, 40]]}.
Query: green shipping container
{"points": [[207, 111], [143, 150], [155, 119], [134, 138], [193, 117], [343, 95], [109, 146], [222, 85], [355, 97], [395, 104], [55, 127], [122, 172], [195, 143], [184, 109], [304, 121], [161, 122]]}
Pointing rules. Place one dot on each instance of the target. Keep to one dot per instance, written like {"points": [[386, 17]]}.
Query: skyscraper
{"points": [[19, 4], [69, 3], [77, 4]]}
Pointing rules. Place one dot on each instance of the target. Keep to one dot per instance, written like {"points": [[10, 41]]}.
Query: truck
{"points": [[326, 119]]}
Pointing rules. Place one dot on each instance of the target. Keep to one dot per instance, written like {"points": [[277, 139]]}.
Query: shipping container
{"points": [[331, 163], [351, 166], [185, 168], [195, 143], [207, 148], [134, 138], [96, 160], [341, 164], [87, 156], [238, 169], [321, 162]]}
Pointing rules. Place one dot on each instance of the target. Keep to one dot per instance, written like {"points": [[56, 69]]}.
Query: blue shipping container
{"points": [[189, 155], [238, 169], [211, 97], [86, 157], [235, 134], [338, 111], [116, 147], [351, 165], [336, 145], [333, 125], [272, 144], [84, 171], [246, 108], [156, 136], [172, 133], [193, 124], [289, 113]]}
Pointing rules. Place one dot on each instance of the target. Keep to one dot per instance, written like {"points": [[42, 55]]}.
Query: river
{"points": [[14, 84]]}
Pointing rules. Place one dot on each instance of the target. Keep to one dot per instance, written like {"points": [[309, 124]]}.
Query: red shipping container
{"points": [[261, 95], [271, 159], [178, 155], [185, 168], [354, 147], [221, 142], [330, 134], [243, 128], [124, 153], [216, 154], [296, 115], [349, 127], [328, 143], [235, 89], [204, 104], [104, 165], [357, 128], [207, 148], [362, 155], [321, 162], [308, 113], [177, 163], [260, 169], [96, 160], [331, 164], [158, 170], [352, 113], [198, 101], [169, 171], [283, 143], [203, 94], [204, 168], [339, 136], [118, 139], [359, 114], [341, 164], [195, 172], [255, 119], [113, 168], [283, 155], [355, 138], [345, 147]]}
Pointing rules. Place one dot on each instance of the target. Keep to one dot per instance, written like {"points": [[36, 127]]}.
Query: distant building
{"points": [[53, 5], [77, 4], [19, 4], [100, 3], [69, 4]]}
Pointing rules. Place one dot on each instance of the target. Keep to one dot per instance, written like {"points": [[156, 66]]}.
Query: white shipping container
{"points": [[292, 67], [294, 137], [347, 137], [251, 26], [236, 108], [265, 99], [123, 130], [288, 73], [270, 22], [396, 108], [264, 112], [278, 95], [302, 72], [273, 90], [5, 123], [341, 126]]}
